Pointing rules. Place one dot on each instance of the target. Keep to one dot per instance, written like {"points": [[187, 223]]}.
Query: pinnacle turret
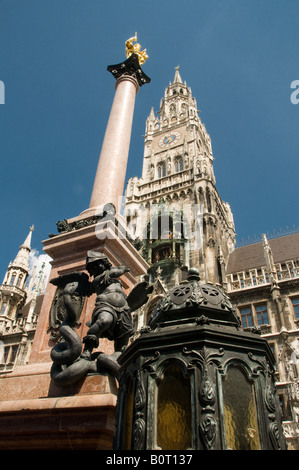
{"points": [[177, 76], [13, 291], [21, 260]]}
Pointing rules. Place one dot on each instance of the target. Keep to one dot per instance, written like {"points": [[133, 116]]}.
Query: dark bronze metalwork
{"points": [[68, 301], [64, 226], [111, 319], [130, 67], [195, 328]]}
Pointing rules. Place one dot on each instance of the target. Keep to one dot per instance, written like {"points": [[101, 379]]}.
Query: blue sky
{"points": [[238, 56]]}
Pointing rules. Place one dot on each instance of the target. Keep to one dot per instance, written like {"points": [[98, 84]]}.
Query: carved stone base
{"points": [[41, 415]]}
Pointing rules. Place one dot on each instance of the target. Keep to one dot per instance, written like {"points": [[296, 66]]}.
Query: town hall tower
{"points": [[174, 210]]}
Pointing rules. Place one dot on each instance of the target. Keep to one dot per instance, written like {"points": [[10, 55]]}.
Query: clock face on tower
{"points": [[169, 139]]}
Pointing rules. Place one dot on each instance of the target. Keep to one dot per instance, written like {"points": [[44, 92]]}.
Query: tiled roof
{"points": [[252, 256]]}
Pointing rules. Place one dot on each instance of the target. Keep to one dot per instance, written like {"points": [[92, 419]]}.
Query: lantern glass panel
{"points": [[128, 416], [240, 415], [174, 420]]}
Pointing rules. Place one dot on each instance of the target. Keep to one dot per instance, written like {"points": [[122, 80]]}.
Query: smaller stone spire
{"points": [[13, 291], [21, 260], [27, 242], [152, 116], [177, 76], [268, 255]]}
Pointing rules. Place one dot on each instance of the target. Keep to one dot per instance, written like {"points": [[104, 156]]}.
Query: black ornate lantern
{"points": [[195, 380]]}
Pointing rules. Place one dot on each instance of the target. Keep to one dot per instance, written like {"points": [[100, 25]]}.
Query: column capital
{"points": [[131, 68], [127, 78]]}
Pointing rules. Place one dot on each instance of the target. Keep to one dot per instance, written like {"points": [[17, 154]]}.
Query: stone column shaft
{"points": [[111, 172]]}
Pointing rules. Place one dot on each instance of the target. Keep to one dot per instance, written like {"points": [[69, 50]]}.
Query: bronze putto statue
{"points": [[111, 319]]}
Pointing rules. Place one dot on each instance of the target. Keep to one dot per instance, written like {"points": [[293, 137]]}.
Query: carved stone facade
{"points": [[20, 302], [174, 210], [263, 285]]}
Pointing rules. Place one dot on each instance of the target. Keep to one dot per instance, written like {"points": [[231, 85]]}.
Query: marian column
{"points": [[92, 399], [111, 172]]}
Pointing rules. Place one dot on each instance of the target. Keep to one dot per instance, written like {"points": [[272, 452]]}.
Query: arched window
{"points": [[3, 308], [178, 165], [20, 278], [161, 170], [13, 278]]}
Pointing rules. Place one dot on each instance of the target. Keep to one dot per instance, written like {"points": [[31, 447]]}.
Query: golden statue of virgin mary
{"points": [[135, 49]]}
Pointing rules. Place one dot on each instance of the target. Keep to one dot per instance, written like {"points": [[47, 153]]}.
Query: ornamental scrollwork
{"points": [[139, 428], [149, 367], [206, 393], [207, 430], [140, 396], [139, 425], [204, 357], [274, 436]]}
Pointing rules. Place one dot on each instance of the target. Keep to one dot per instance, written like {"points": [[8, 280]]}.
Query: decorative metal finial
{"points": [[159, 272], [135, 49]]}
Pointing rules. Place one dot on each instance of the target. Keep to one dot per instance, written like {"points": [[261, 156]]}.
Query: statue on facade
{"points": [[111, 319]]}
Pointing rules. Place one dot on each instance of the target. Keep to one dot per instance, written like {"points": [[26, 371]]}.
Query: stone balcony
{"points": [[258, 277], [8, 290], [157, 187], [290, 429], [10, 326]]}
